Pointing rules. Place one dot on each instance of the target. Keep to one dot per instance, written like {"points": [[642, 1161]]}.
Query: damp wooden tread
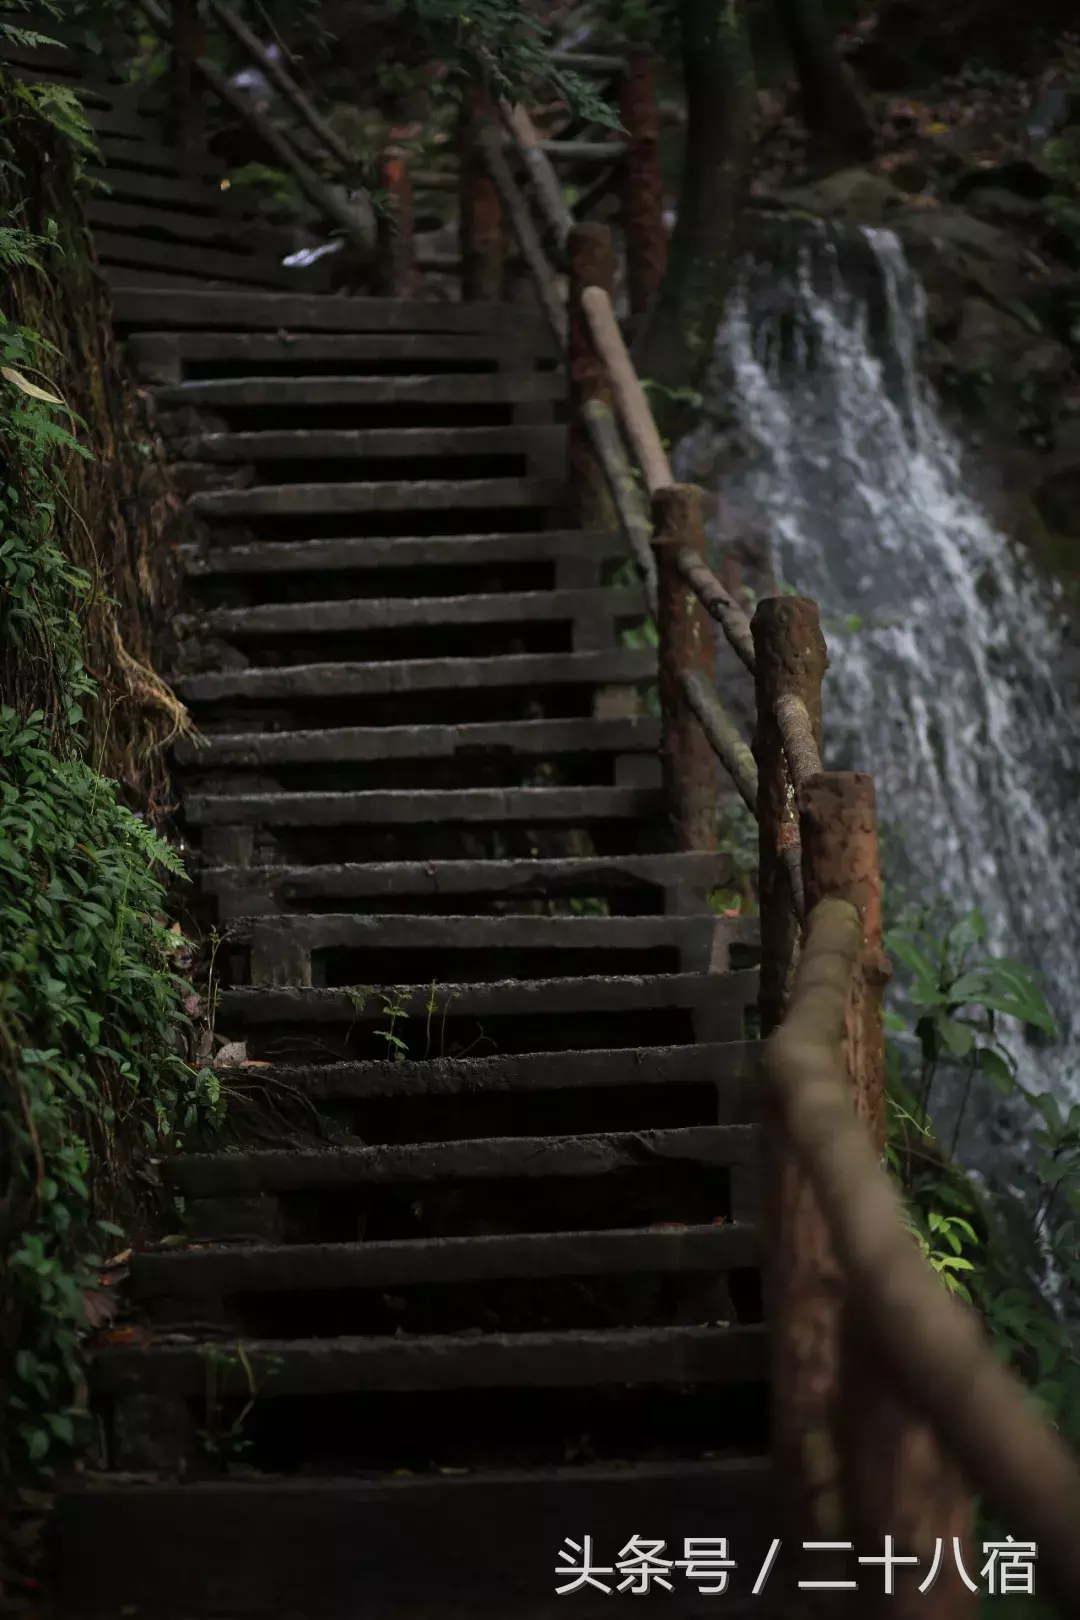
{"points": [[729, 1065], [266, 889], [671, 1355], [347, 444], [624, 993], [423, 806], [306, 1545], [294, 347], [408, 551], [386, 495], [703, 936], [160, 309], [631, 665], [465, 388], [302, 1267], [639, 733], [368, 613]]}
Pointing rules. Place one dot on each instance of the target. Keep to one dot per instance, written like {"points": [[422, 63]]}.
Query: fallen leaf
{"points": [[25, 386], [255, 1063]]}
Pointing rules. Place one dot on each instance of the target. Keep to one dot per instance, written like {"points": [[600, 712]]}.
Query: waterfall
{"points": [[947, 678]]}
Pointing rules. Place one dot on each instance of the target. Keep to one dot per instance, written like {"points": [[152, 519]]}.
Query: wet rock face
{"points": [[999, 261]]}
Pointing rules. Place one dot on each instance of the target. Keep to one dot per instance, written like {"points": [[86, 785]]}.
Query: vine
{"points": [[95, 1086]]}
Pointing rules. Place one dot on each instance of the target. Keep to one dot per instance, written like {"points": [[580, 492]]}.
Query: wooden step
{"points": [[349, 444], [408, 551], [725, 995], [338, 348], [388, 495], [282, 947], [469, 388], [531, 738], [314, 1548], [371, 613], [260, 270], [301, 1267], [624, 665], [675, 878], [159, 309], [732, 1066], [425, 806], [674, 1355]]}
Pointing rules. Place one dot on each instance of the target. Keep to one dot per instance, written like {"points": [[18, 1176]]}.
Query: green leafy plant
{"points": [[1019, 1265]]}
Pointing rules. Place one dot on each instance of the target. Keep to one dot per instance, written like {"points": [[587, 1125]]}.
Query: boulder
{"points": [[851, 196]]}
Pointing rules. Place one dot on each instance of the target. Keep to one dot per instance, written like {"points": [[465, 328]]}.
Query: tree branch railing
{"points": [[889, 1405], [331, 208]]}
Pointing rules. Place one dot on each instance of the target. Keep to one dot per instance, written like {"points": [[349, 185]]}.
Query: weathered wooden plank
{"points": [[303, 313], [511, 998], [683, 1355], [386, 495], [368, 613], [405, 551], [348, 444], [301, 1267], [394, 932], [495, 388], [624, 664], [489, 1158], [229, 232], [115, 248], [340, 347], [531, 737], [687, 870], [415, 806], [307, 1544], [731, 1066]]}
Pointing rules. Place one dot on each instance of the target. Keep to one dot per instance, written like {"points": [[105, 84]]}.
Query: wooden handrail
{"points": [[633, 407], [328, 138], [538, 166], [517, 209], [719, 603], [933, 1345], [722, 732], [317, 192], [625, 492]]}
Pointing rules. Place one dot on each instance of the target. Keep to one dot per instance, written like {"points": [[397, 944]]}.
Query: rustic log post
{"points": [[686, 642], [188, 43], [790, 659], [895, 1480], [480, 211], [395, 270], [802, 1282], [643, 186], [591, 263]]}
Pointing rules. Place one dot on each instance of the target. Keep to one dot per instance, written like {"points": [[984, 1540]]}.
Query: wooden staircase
{"points": [[485, 1279]]}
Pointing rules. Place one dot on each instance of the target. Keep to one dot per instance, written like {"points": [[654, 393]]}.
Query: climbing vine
{"points": [[94, 1082]]}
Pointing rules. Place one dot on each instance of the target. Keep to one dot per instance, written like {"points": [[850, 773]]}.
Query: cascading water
{"points": [[946, 654]]}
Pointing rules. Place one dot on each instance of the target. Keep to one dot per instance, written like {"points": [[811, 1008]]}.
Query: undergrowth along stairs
{"points": [[481, 1275]]}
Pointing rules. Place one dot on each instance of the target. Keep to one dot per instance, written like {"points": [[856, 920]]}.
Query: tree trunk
{"points": [[676, 344], [835, 116]]}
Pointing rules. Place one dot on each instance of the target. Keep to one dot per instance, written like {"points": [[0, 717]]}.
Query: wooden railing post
{"points": [[643, 186], [480, 211], [686, 642], [395, 269], [790, 659], [803, 1285], [591, 263], [188, 43], [895, 1479]]}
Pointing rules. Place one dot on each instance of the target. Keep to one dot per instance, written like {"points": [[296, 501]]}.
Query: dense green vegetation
{"points": [[93, 1081]]}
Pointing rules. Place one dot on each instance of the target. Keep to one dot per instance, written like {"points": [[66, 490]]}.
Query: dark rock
{"points": [[1024, 176], [853, 196], [995, 203]]}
